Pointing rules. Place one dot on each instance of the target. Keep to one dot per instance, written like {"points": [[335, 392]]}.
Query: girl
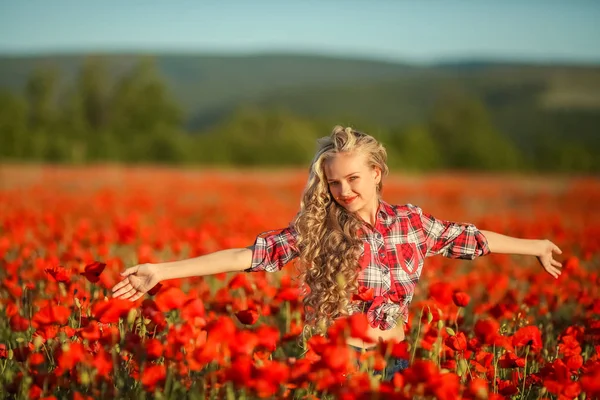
{"points": [[348, 240]]}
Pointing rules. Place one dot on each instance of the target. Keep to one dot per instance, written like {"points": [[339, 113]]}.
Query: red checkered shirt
{"points": [[392, 256]]}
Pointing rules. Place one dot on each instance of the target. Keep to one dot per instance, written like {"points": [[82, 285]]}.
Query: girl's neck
{"points": [[369, 214]]}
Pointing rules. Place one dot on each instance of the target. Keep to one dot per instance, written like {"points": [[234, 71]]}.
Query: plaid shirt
{"points": [[392, 256]]}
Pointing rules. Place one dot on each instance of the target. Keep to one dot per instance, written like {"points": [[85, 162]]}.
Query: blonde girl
{"points": [[348, 240]]}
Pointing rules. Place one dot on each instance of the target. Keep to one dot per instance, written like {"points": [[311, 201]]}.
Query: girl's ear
{"points": [[377, 175]]}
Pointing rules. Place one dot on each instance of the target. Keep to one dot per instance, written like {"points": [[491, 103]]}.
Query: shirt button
{"points": [[382, 255]]}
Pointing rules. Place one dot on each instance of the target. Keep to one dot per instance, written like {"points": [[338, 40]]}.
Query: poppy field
{"points": [[498, 327]]}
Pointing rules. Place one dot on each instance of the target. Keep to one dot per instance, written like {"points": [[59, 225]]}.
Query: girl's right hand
{"points": [[138, 280]]}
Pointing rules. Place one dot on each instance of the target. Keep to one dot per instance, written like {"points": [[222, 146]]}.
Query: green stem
{"points": [[412, 358], [495, 368], [456, 320], [524, 373]]}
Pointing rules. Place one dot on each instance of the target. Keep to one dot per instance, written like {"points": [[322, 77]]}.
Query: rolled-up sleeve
{"points": [[273, 249], [451, 239]]}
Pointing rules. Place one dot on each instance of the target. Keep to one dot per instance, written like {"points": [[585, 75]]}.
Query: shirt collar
{"points": [[385, 213]]}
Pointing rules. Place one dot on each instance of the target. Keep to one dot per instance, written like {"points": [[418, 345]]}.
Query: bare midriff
{"points": [[396, 334]]}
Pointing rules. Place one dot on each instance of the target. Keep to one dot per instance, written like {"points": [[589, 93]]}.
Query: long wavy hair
{"points": [[328, 241]]}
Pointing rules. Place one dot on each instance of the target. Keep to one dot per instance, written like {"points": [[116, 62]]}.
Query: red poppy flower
{"points": [[36, 359], [245, 342], [569, 346], [268, 378], [574, 362], [240, 281], [111, 311], [91, 332], [557, 379], [223, 330], [364, 294], [528, 336], [240, 371], [359, 325], [511, 360], [479, 388], [58, 273], [103, 363], [80, 396], [154, 349], [487, 330], [336, 357], [289, 294], [268, 337], [457, 342], [461, 299], [507, 388], [18, 323], [421, 371], [445, 386], [171, 298], [441, 292], [193, 308], [395, 349], [247, 317], [93, 271], [35, 392], [590, 382], [70, 355], [51, 314], [153, 376]]}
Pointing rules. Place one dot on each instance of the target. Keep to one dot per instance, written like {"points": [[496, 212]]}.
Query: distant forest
{"points": [[268, 110]]}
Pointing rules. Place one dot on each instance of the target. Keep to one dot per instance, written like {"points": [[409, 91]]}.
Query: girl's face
{"points": [[352, 183]]}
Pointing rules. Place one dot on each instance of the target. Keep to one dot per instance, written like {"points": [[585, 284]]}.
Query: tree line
{"points": [[133, 118]]}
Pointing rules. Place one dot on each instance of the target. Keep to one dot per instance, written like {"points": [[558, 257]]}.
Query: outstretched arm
{"points": [[140, 279], [542, 249]]}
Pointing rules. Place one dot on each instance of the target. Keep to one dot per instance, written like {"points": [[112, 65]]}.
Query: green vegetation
{"points": [[269, 110]]}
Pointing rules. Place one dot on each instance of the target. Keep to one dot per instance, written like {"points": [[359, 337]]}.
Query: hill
{"points": [[528, 103]]}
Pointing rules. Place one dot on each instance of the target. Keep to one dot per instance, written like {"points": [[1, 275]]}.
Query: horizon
{"points": [[458, 60]]}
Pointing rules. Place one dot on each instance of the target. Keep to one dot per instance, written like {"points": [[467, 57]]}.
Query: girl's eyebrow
{"points": [[331, 180]]}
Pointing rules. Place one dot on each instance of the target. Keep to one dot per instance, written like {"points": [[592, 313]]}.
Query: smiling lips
{"points": [[349, 200]]}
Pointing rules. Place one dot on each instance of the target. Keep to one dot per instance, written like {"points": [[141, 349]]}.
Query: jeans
{"points": [[394, 365]]}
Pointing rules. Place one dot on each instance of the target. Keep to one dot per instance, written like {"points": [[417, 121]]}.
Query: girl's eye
{"points": [[353, 178]]}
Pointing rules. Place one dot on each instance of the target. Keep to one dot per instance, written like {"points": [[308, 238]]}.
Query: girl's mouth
{"points": [[349, 200]]}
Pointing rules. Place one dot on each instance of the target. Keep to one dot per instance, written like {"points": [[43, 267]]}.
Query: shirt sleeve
{"points": [[273, 249], [451, 239]]}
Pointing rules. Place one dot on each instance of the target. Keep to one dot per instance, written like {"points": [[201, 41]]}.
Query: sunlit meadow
{"points": [[497, 327]]}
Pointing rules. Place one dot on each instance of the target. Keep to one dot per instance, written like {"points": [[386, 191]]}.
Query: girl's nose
{"points": [[345, 189]]}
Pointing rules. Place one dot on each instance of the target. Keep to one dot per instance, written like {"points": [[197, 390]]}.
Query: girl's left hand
{"points": [[545, 257]]}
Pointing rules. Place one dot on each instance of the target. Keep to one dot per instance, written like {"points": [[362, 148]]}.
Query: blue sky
{"points": [[417, 31]]}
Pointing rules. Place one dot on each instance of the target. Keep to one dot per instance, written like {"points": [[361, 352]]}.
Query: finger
{"points": [[555, 272], [556, 249], [556, 264], [130, 271], [125, 289], [137, 296], [121, 284], [129, 294]]}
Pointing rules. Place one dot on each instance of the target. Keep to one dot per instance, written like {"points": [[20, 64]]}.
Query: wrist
{"points": [[159, 271], [538, 247]]}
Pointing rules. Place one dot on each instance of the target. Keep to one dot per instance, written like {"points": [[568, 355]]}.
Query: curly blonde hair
{"points": [[328, 241]]}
